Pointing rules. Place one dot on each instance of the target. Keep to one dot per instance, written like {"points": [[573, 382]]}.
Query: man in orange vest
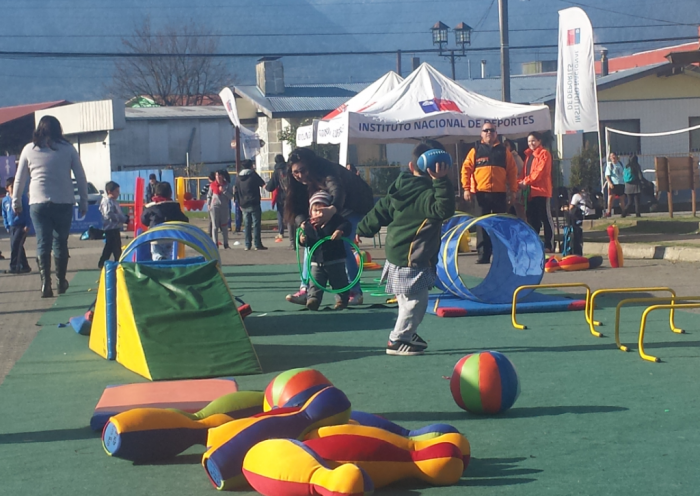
{"points": [[487, 173]]}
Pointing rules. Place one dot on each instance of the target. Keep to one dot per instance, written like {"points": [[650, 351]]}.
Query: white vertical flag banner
{"points": [[229, 102], [576, 101]]}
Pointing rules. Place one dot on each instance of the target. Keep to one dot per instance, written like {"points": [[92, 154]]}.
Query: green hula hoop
{"points": [[300, 231], [331, 290]]}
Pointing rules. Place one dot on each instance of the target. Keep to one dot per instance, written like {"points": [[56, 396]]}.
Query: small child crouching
{"points": [[414, 208], [328, 260], [162, 209]]}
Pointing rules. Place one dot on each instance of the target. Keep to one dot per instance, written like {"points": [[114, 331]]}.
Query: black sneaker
{"points": [[401, 348], [261, 247], [418, 342]]}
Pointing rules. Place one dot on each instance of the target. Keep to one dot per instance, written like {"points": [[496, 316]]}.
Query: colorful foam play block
{"points": [[188, 395]]}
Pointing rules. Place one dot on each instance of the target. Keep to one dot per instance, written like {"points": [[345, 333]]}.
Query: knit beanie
{"points": [[319, 197]]}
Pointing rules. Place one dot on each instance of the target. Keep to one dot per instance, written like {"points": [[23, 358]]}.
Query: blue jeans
{"points": [[280, 223], [238, 215], [251, 220], [52, 225]]}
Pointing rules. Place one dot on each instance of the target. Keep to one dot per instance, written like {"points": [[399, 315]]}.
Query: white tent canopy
{"points": [[429, 105], [372, 93]]}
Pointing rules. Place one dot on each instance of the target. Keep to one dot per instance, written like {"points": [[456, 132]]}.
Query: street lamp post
{"points": [[462, 39]]}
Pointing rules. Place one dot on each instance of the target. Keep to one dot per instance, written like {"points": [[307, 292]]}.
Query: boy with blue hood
{"points": [[18, 225], [413, 210]]}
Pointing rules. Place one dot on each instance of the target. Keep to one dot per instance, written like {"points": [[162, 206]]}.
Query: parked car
{"points": [[94, 196]]}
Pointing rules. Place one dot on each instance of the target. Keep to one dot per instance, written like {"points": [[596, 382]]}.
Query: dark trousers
{"points": [[539, 214], [52, 225], [18, 258], [489, 203], [113, 246], [251, 225], [632, 197], [280, 223], [238, 215], [333, 273]]}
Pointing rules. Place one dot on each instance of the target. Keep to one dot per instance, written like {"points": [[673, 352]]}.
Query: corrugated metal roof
{"points": [[320, 98], [8, 114], [208, 112], [309, 98]]}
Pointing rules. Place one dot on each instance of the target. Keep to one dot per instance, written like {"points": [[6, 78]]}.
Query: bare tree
{"points": [[181, 77]]}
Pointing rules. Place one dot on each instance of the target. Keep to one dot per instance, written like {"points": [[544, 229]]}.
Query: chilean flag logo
{"points": [[573, 37], [439, 105]]}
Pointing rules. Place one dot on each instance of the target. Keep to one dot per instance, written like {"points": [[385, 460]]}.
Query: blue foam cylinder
{"points": [[110, 269], [518, 259]]}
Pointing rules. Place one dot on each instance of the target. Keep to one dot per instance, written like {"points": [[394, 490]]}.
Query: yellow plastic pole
{"points": [[591, 305], [545, 286], [643, 324], [180, 194], [670, 299]]}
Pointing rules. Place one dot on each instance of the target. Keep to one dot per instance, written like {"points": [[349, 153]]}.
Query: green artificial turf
{"points": [[590, 419]]}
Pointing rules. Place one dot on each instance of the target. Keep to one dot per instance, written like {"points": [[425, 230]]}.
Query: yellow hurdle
{"points": [[545, 286], [632, 301], [642, 326], [591, 304]]}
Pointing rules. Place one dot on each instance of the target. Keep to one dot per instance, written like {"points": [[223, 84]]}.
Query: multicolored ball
{"points": [[485, 383], [293, 388]]}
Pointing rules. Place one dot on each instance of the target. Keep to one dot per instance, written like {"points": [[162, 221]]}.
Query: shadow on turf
{"points": [[49, 436], [305, 322], [278, 358], [526, 412], [585, 347], [496, 472]]}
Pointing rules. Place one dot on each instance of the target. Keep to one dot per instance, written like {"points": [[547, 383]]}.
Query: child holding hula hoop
{"points": [[328, 260], [414, 208]]}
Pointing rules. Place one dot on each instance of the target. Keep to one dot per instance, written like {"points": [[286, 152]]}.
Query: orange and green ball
{"points": [[293, 388], [485, 383]]}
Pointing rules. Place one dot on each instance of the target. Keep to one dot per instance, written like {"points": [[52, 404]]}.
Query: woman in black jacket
{"points": [[351, 197], [280, 181]]}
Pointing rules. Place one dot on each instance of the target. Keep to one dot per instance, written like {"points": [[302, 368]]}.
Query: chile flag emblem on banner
{"points": [[439, 105]]}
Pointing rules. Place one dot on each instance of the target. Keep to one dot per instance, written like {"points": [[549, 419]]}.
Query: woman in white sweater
{"points": [[48, 161]]}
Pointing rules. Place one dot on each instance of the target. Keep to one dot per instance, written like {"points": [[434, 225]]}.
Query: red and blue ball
{"points": [[485, 383]]}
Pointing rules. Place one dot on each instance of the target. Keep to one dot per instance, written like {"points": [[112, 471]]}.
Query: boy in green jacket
{"points": [[414, 208]]}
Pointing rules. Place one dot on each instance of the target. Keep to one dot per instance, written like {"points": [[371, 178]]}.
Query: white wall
{"points": [[654, 116], [94, 150], [163, 142]]}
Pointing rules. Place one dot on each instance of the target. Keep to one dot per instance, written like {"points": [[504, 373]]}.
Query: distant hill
{"points": [[265, 26]]}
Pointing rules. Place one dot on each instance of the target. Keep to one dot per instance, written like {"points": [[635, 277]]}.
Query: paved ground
{"points": [[21, 306]]}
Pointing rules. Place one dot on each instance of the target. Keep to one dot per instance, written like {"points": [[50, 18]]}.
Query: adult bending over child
{"points": [[350, 196]]}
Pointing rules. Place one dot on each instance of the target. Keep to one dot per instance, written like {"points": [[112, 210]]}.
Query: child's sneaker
{"points": [[313, 304], [418, 342], [298, 298], [401, 348], [340, 305]]}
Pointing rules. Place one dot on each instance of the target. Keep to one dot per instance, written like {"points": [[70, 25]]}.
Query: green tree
{"points": [[585, 168]]}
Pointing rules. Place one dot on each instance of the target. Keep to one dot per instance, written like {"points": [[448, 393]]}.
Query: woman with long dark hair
{"points": [[351, 197], [536, 178], [49, 161]]}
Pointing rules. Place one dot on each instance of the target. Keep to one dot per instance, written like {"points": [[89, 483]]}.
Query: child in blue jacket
{"points": [[18, 225]]}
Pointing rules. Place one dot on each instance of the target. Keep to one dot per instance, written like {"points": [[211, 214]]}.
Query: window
{"points": [[694, 135], [619, 143]]}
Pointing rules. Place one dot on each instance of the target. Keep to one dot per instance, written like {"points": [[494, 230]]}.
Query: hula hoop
{"points": [[359, 267], [300, 231]]}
